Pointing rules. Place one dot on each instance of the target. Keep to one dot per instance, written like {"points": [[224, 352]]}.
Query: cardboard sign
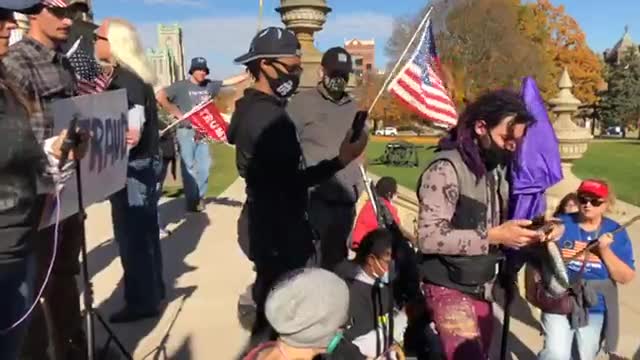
{"points": [[103, 170]]}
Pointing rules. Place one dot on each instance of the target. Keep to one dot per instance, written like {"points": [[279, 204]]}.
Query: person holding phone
{"points": [[269, 158], [323, 115], [463, 195]]}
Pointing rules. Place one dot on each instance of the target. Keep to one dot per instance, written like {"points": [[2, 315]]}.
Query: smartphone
{"points": [[358, 125], [70, 141]]}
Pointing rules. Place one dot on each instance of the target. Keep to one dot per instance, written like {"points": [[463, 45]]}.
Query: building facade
{"points": [[363, 53], [614, 55], [167, 59]]}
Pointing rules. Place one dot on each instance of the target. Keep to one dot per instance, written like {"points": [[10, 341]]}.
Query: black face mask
{"points": [[335, 86], [495, 156], [285, 84]]}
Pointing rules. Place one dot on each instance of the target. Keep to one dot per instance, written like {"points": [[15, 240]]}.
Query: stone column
{"points": [[573, 139], [304, 18]]}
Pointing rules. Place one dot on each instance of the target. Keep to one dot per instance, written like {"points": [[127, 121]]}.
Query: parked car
{"points": [[388, 131], [614, 131]]}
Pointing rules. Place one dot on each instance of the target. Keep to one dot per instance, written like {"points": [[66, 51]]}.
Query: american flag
{"points": [[89, 74], [419, 86]]}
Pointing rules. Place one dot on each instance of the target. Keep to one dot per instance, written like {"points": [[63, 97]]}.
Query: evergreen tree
{"points": [[620, 105]]}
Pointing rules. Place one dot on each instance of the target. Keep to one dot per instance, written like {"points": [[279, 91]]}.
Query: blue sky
{"points": [[222, 29]]}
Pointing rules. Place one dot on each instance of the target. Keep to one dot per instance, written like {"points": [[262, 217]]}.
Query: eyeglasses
{"points": [[584, 200]]}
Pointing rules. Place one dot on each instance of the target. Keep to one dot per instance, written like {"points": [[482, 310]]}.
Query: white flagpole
{"points": [[404, 53]]}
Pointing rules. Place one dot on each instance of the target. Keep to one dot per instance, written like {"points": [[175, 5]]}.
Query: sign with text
{"points": [[208, 121], [103, 170]]}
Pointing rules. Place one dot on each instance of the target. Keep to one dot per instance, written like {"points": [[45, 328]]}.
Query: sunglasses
{"points": [[60, 12], [6, 15], [97, 37], [584, 200], [291, 69]]}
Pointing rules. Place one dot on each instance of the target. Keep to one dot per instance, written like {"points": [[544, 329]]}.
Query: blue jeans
{"points": [[135, 225], [16, 287], [195, 162], [559, 337]]}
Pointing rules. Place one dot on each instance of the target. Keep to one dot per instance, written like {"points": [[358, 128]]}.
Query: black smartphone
{"points": [[358, 124], [70, 141], [537, 222]]}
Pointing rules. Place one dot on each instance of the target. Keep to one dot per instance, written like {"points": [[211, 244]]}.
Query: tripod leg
{"points": [[112, 336]]}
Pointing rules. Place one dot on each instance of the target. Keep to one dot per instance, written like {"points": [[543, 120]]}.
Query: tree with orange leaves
{"points": [[568, 47]]}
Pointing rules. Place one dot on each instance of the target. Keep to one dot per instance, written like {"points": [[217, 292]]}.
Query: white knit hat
{"points": [[308, 308]]}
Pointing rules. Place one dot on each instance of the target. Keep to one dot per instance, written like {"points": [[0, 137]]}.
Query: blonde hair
{"points": [[126, 49]]}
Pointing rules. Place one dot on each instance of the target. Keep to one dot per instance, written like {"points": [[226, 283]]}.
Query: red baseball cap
{"points": [[594, 187]]}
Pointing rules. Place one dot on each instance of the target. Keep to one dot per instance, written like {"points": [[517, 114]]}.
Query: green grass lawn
{"points": [[617, 162], [406, 176], [223, 172]]}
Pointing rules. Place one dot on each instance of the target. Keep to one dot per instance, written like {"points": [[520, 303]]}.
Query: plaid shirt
{"points": [[44, 74]]}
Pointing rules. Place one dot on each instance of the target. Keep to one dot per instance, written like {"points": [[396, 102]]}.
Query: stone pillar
{"points": [[304, 18], [573, 139]]}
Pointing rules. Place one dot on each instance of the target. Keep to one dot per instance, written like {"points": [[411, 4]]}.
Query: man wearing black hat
{"points": [[195, 159], [269, 158], [323, 116]]}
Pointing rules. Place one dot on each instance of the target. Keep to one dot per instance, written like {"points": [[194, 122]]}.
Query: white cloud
{"points": [[222, 38]]}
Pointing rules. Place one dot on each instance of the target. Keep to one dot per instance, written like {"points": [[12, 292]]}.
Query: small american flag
{"points": [[89, 74], [420, 88]]}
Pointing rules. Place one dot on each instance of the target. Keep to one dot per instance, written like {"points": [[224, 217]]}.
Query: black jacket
{"points": [[269, 158], [22, 161]]}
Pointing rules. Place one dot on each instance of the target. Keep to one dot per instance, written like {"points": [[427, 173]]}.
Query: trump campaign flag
{"points": [[419, 86], [208, 122]]}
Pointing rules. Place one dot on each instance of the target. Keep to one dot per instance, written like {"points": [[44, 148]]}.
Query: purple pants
{"points": [[464, 323]]}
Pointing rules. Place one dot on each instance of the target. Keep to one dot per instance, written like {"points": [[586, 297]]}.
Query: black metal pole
{"points": [[90, 312], [507, 283]]}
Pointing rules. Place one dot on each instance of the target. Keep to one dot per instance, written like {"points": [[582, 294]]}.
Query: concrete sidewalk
{"points": [[205, 272]]}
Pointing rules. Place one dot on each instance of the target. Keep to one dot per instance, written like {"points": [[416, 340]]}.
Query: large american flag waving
{"points": [[419, 86]]}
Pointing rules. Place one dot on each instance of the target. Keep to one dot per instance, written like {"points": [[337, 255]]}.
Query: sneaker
{"points": [[201, 206]]}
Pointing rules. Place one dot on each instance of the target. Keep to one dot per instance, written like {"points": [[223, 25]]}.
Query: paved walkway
{"points": [[205, 272]]}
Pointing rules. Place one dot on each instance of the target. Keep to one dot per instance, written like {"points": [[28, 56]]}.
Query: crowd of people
{"points": [[428, 294]]}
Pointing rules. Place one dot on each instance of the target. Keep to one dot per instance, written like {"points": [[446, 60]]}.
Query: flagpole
{"points": [[404, 53], [260, 7]]}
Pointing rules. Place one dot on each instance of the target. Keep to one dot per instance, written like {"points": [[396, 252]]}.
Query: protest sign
{"points": [[104, 168]]}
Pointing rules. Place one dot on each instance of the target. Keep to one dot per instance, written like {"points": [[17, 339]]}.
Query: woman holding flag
{"points": [[134, 208]]}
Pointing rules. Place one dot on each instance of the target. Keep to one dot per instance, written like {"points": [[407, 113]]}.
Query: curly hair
{"points": [[492, 107]]}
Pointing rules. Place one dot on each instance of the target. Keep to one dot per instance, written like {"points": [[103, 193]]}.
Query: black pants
{"points": [[333, 223], [279, 243]]}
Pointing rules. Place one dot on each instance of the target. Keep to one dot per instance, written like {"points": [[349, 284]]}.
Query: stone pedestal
{"points": [[304, 18], [573, 139]]}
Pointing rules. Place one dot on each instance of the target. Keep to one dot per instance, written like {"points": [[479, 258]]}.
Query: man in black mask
{"points": [[463, 196], [323, 115], [269, 158]]}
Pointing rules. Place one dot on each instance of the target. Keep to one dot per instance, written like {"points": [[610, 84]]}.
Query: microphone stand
{"points": [[90, 311]]}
